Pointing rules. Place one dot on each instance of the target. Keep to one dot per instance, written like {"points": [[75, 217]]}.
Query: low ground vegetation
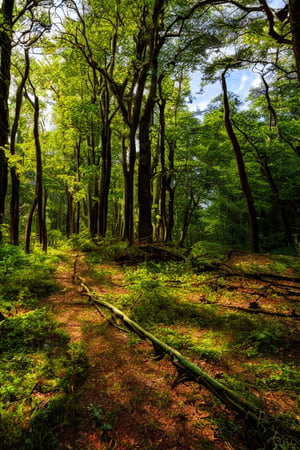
{"points": [[234, 314]]}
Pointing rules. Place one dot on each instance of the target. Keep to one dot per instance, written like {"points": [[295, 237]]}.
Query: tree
{"points": [[6, 28], [241, 168], [15, 180], [39, 198], [294, 8]]}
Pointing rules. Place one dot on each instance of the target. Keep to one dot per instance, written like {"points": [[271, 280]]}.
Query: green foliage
{"points": [[209, 249], [274, 376], [100, 418], [55, 238], [44, 423], [82, 242], [283, 262], [206, 255], [24, 278], [264, 337], [38, 366], [28, 331]]}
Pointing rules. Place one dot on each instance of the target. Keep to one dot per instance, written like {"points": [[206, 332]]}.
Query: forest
{"points": [[149, 224]]}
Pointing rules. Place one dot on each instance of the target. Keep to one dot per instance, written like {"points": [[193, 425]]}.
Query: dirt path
{"points": [[126, 400]]}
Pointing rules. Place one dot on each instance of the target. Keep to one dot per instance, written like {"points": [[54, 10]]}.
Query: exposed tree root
{"points": [[270, 432]]}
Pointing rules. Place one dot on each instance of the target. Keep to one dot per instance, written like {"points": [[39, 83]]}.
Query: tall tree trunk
{"points": [[69, 214], [254, 232], [162, 125], [44, 230], [39, 169], [93, 189], [5, 62], [294, 6], [15, 181], [274, 120], [282, 213], [171, 192], [190, 208], [129, 157], [105, 162], [283, 216], [76, 220], [145, 229], [29, 225]]}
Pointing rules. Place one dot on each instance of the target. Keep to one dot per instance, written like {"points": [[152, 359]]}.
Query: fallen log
{"points": [[269, 430]]}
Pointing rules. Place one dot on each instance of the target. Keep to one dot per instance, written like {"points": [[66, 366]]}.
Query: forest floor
{"points": [[127, 401]]}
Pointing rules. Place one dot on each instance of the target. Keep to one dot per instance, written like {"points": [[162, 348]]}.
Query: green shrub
{"points": [[264, 338], [24, 279], [28, 331], [82, 242], [45, 422]]}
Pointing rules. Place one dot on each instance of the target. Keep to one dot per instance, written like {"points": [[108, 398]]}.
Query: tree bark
{"points": [[29, 225], [105, 160], [69, 213], [190, 208], [38, 196], [254, 231], [129, 157], [15, 180], [294, 6], [282, 212], [145, 230], [5, 63], [39, 170]]}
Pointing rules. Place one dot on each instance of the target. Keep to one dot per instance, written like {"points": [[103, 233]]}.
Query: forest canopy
{"points": [[97, 137]]}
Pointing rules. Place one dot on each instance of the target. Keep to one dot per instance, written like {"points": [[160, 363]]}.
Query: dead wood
{"points": [[267, 428], [266, 277], [259, 310]]}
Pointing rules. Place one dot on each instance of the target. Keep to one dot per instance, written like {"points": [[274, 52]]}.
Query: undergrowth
{"points": [[39, 368], [163, 298]]}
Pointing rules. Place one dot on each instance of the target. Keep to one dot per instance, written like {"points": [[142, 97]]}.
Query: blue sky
{"points": [[239, 82]]}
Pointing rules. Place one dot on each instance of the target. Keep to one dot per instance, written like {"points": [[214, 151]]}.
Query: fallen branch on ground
{"points": [[269, 430], [258, 310]]}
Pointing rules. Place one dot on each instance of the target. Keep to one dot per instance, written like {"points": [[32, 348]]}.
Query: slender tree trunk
{"points": [[274, 120], [105, 185], [29, 225], [38, 197], [129, 157], [283, 216], [282, 213], [76, 226], [105, 163], [294, 6], [69, 214], [5, 62], [190, 208], [171, 192], [44, 231], [93, 192], [162, 125], [254, 232], [14, 206], [15, 181], [39, 170]]}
